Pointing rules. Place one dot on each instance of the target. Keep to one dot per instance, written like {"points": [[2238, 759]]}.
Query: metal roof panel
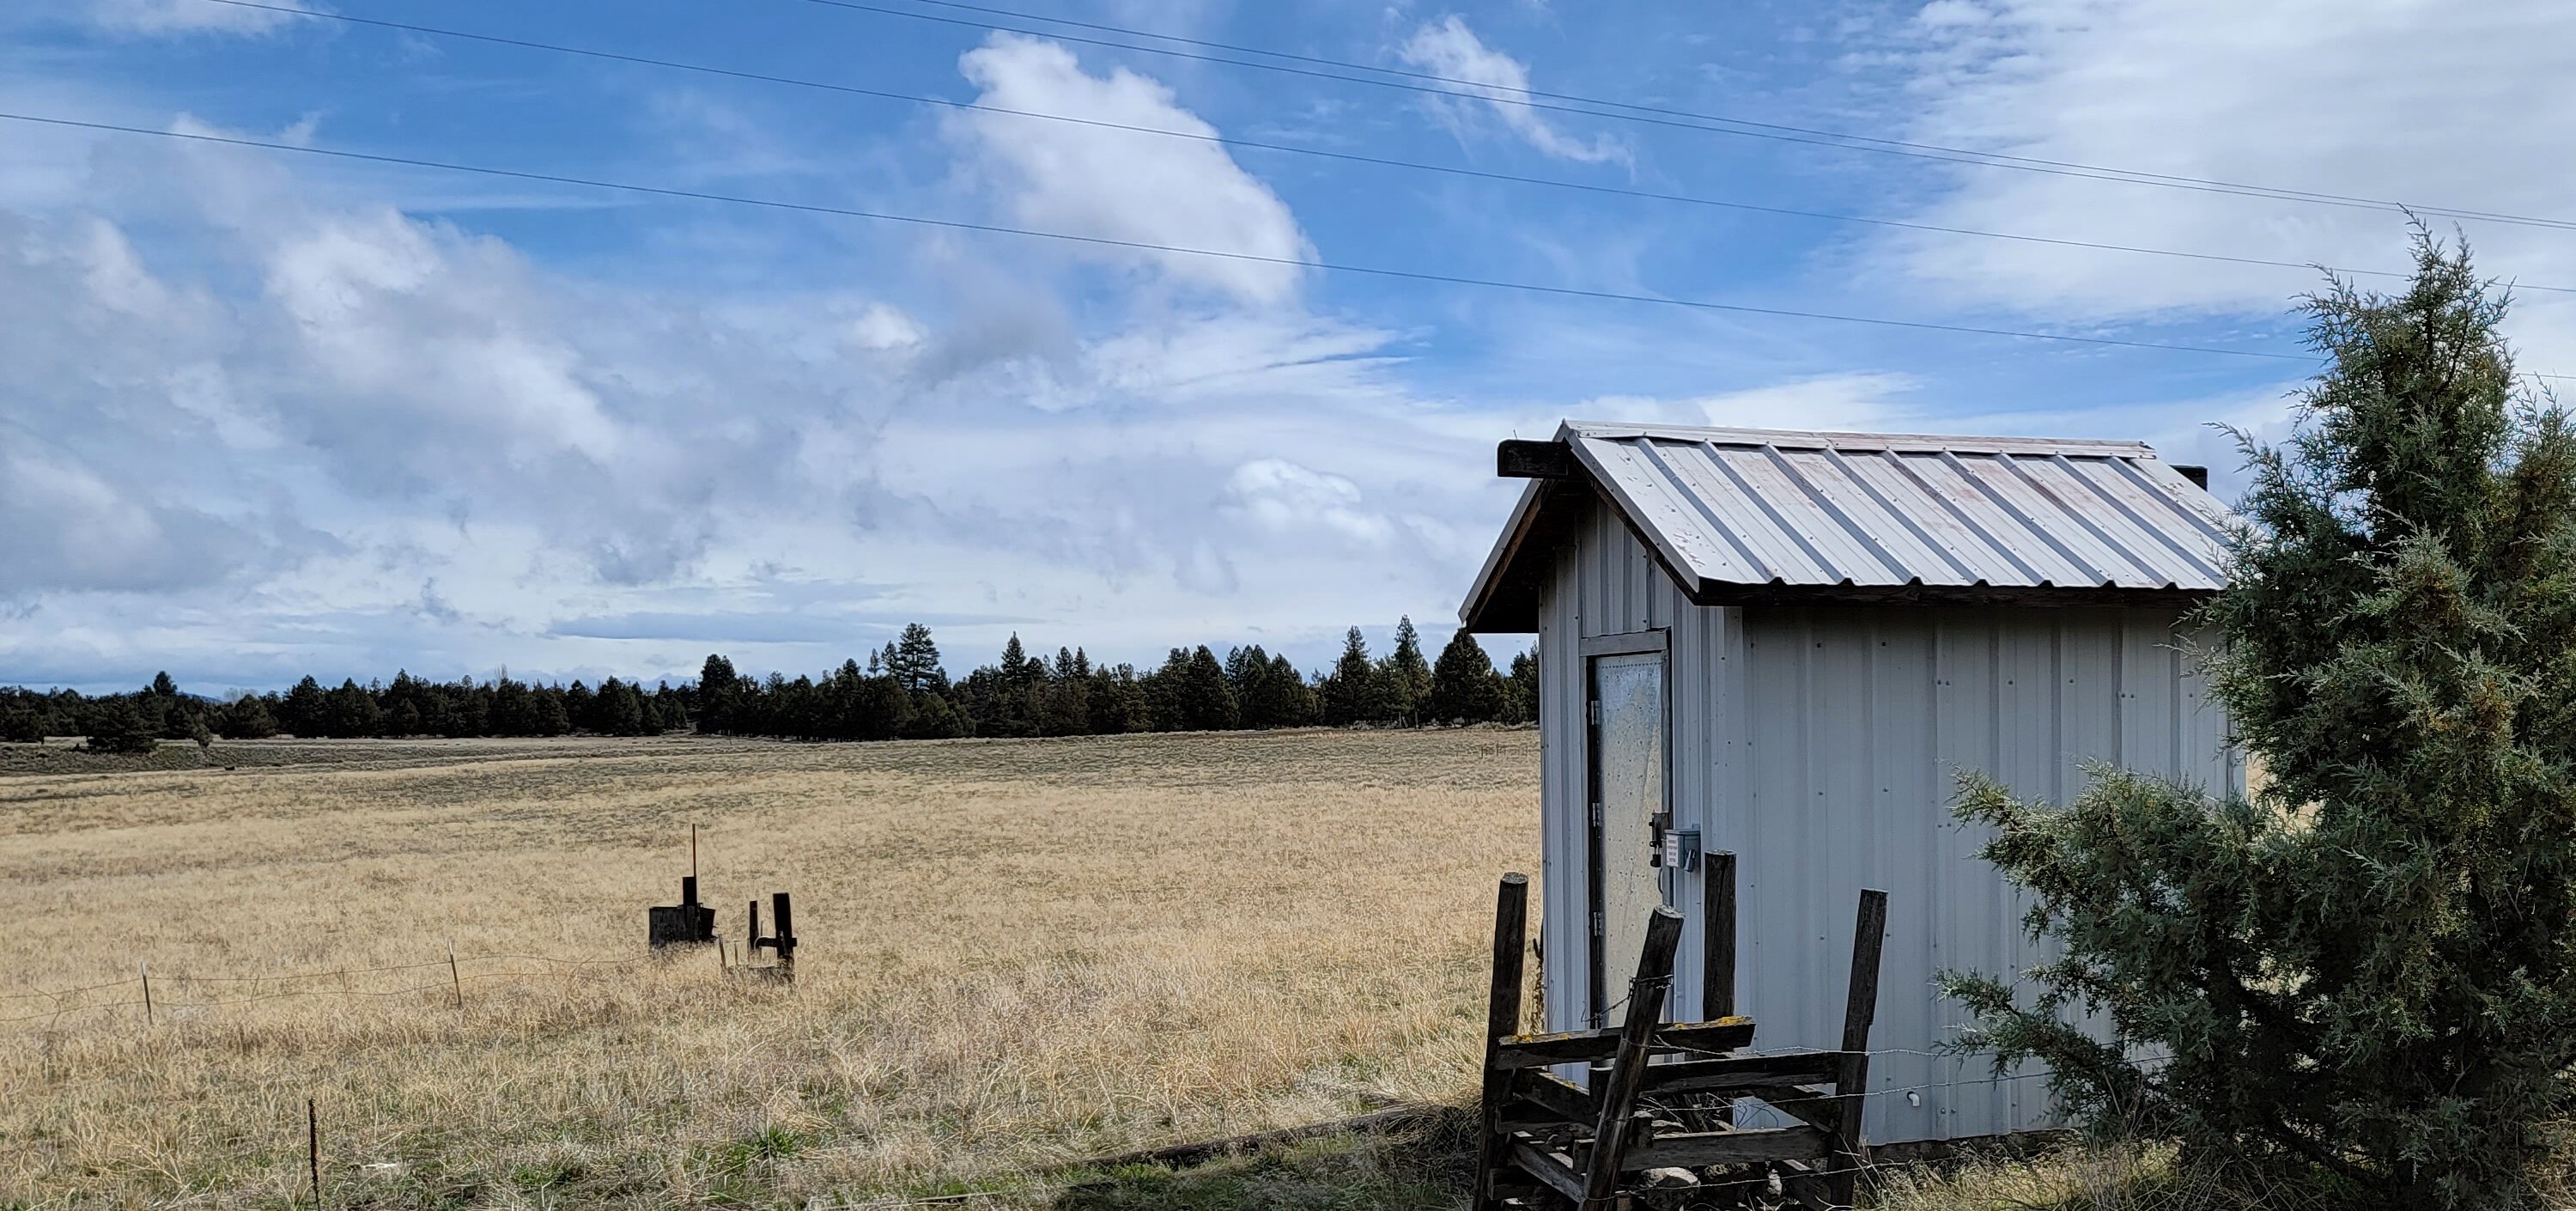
{"points": [[1791, 507], [1779, 514]]}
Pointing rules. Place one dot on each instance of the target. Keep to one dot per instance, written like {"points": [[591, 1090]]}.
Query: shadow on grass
{"points": [[1428, 1168]]}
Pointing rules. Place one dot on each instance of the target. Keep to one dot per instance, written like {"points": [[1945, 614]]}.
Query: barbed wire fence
{"points": [[53, 1004]]}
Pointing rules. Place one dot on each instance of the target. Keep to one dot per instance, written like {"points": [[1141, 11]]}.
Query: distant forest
{"points": [[901, 692]]}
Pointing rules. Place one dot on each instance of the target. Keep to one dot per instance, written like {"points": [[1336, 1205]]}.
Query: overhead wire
{"points": [[1148, 246], [1316, 152], [1741, 128]]}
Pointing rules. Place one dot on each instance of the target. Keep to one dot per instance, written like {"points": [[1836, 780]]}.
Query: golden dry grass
{"points": [[1015, 954]]}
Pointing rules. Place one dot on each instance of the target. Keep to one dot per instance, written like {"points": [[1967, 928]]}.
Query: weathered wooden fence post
{"points": [[785, 942], [1502, 1020], [1646, 993], [1851, 1084], [1717, 956]]}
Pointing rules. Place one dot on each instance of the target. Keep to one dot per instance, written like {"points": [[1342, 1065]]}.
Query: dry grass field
{"points": [[1016, 954]]}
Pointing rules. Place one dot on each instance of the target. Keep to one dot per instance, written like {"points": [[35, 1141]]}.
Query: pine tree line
{"points": [[409, 706], [902, 692]]}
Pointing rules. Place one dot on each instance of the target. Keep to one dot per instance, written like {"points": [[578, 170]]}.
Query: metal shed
{"points": [[1785, 645]]}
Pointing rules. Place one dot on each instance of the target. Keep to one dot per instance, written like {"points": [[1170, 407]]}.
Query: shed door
{"points": [[1627, 779]]}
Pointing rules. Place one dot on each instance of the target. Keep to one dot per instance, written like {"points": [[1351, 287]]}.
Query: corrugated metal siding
{"points": [[1606, 584], [1819, 744], [1745, 507]]}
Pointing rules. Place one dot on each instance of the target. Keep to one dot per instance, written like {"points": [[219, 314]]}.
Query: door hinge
{"points": [[1596, 925], [1596, 813], [1592, 712]]}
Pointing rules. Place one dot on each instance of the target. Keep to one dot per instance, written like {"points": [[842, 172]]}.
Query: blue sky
{"points": [[269, 413]]}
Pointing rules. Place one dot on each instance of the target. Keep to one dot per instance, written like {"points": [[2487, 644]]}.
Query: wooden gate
{"points": [[1656, 1119]]}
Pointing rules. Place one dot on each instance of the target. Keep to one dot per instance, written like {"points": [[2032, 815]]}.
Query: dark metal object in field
{"points": [[1547, 1142], [687, 923]]}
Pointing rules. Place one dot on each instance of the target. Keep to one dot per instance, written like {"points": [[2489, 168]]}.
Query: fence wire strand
{"points": [[159, 1003]]}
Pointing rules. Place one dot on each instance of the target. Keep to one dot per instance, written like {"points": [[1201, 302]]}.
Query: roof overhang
{"points": [[1791, 517]]}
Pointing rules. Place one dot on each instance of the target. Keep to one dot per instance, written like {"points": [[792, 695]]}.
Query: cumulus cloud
{"points": [[882, 328], [161, 427], [1113, 185], [264, 422], [69, 527], [164, 17], [1449, 49], [1283, 497]]}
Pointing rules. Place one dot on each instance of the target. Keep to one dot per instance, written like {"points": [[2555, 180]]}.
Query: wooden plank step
{"points": [[1556, 1095], [1729, 1148], [1580, 1046], [1747, 1072], [1808, 1104]]}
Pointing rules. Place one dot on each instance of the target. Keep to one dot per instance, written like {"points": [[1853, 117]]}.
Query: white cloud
{"points": [[882, 328], [1113, 185], [69, 527], [414, 325], [1449, 49], [263, 423], [158, 17], [1283, 497], [2414, 101]]}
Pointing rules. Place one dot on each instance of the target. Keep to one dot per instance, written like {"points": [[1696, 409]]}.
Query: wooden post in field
{"points": [[786, 940], [1851, 1085], [455, 981], [147, 994], [1502, 1019], [1646, 995], [313, 1149]]}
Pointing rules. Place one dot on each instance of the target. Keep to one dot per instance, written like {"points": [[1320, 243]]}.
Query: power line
{"points": [[1696, 121], [1347, 157], [1646, 109], [1144, 246]]}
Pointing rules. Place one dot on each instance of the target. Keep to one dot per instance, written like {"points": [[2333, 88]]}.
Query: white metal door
{"points": [[1627, 793]]}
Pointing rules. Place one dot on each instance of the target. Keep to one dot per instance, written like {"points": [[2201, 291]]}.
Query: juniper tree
{"points": [[246, 718], [116, 725], [2366, 971], [719, 690], [1207, 701], [1520, 689], [1464, 687], [617, 710]]}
